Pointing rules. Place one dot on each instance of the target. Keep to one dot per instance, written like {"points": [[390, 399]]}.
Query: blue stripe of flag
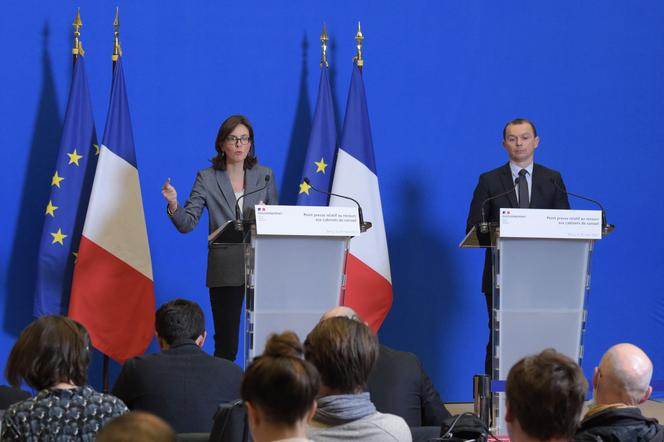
{"points": [[68, 201], [321, 148], [356, 138], [118, 134]]}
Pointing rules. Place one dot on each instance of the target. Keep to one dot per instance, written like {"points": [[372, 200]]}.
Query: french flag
{"points": [[368, 278], [113, 290]]}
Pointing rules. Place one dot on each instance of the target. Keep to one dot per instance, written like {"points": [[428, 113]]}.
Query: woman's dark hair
{"points": [[52, 349], [344, 351], [280, 382], [228, 126]]}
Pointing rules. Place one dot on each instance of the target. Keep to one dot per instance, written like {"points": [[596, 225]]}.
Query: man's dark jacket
{"points": [[183, 385], [619, 425], [548, 192], [399, 385]]}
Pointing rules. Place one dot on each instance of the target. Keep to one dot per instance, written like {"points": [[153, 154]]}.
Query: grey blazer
{"points": [[213, 189]]}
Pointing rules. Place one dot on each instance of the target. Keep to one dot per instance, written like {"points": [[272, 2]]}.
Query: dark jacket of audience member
{"points": [[52, 355], [399, 385], [182, 384], [11, 395], [619, 425]]}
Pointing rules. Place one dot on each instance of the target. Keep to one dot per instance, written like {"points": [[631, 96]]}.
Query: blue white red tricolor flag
{"points": [[368, 278], [70, 190], [113, 289], [319, 164]]}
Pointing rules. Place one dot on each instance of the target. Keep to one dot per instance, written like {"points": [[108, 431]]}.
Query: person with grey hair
{"points": [[620, 384]]}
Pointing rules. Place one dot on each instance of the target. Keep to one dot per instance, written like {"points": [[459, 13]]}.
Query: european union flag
{"points": [[70, 191], [321, 150]]}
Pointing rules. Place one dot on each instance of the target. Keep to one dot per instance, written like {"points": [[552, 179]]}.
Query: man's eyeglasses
{"points": [[243, 140]]}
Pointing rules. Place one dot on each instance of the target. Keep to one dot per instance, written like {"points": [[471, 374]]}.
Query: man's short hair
{"points": [[519, 121], [344, 351], [545, 393], [137, 426], [179, 320]]}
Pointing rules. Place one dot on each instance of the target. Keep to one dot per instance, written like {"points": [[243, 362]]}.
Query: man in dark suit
{"points": [[399, 385], [182, 384], [538, 187]]}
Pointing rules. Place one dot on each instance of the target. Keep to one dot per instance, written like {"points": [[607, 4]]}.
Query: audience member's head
{"points": [[136, 426], [178, 321], [341, 311], [49, 351], [623, 376], [279, 389], [544, 397], [344, 351]]}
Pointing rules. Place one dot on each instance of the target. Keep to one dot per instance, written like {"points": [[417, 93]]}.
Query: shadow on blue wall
{"points": [[419, 306], [299, 137], [332, 61], [35, 192]]}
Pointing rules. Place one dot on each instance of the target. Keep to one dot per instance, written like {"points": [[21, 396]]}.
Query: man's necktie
{"points": [[524, 200]]}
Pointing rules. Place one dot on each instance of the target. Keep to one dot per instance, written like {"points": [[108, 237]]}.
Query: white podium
{"points": [[541, 281], [295, 269]]}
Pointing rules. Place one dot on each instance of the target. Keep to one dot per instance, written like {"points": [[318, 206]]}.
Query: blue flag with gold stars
{"points": [[322, 148], [70, 191]]}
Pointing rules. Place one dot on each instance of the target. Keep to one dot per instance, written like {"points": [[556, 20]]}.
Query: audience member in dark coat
{"points": [[620, 384], [11, 395], [614, 424], [399, 385], [182, 384]]}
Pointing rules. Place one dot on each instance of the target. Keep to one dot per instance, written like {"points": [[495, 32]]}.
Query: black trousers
{"points": [[489, 347], [226, 303]]}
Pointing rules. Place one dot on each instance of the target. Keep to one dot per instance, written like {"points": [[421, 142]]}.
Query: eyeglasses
{"points": [[244, 139]]}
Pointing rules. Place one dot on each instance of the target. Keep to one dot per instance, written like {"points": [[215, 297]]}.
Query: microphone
{"points": [[364, 226], [606, 228], [484, 225], [238, 220]]}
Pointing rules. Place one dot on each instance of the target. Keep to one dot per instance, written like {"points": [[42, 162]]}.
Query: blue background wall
{"points": [[442, 78]]}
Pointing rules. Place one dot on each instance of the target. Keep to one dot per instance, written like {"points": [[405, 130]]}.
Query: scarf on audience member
{"points": [[343, 408]]}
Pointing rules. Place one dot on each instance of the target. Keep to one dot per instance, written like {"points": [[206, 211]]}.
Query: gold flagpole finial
{"points": [[78, 24], [359, 37], [117, 50], [323, 40]]}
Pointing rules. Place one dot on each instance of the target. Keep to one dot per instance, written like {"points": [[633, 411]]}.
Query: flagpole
{"points": [[78, 44], [117, 50], [117, 53], [358, 58], [323, 41]]}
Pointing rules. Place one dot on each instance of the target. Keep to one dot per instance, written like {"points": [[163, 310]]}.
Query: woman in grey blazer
{"points": [[234, 172]]}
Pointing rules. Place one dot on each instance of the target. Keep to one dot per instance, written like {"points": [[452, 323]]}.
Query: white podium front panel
{"points": [[292, 281], [540, 292]]}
